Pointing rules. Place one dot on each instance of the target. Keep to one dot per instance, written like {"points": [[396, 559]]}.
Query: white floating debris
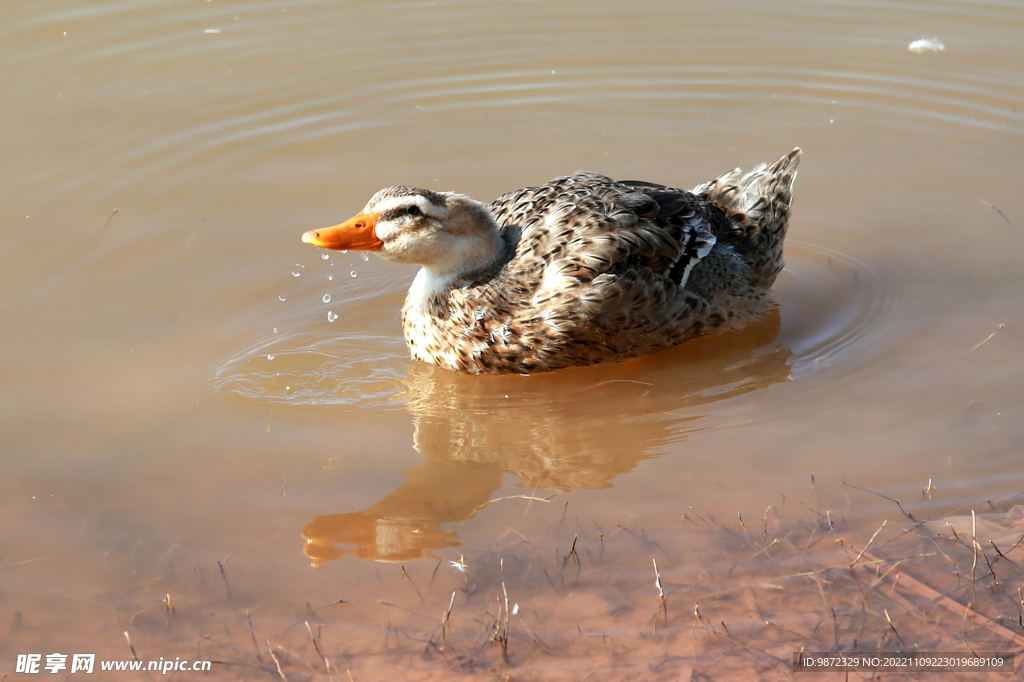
{"points": [[331, 317], [926, 45], [211, 30], [325, 255], [327, 298]]}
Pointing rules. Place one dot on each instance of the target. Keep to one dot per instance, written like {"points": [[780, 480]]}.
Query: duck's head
{"points": [[444, 232]]}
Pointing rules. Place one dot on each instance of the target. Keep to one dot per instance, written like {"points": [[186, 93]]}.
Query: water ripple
{"points": [[837, 305], [302, 370]]}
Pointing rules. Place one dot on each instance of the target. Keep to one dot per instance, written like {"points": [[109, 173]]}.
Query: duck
{"points": [[580, 270]]}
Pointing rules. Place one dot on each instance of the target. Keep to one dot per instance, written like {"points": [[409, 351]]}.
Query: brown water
{"points": [[174, 394]]}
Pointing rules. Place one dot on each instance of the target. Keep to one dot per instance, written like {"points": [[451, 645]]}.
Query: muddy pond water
{"points": [[216, 448]]}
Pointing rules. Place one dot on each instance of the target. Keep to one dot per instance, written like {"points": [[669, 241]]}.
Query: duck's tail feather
{"points": [[757, 205]]}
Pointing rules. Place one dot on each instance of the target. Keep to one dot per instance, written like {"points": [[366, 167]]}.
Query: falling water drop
{"points": [[281, 298], [330, 278], [275, 330], [325, 255], [270, 357], [364, 256], [353, 273], [295, 274], [327, 298], [331, 317]]}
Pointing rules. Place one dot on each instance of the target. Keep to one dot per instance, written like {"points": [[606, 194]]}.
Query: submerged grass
{"points": [[557, 600]]}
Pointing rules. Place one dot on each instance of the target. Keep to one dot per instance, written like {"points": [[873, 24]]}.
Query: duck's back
{"points": [[599, 270]]}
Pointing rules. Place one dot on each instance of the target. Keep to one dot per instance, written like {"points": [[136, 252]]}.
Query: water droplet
{"points": [[330, 278], [275, 330], [344, 250], [364, 256], [270, 357], [281, 298], [353, 273], [331, 317], [295, 274], [327, 298], [325, 255]]}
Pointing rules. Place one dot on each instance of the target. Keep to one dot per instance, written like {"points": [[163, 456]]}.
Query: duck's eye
{"points": [[414, 210]]}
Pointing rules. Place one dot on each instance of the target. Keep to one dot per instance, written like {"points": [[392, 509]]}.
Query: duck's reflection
{"points": [[406, 524], [573, 429]]}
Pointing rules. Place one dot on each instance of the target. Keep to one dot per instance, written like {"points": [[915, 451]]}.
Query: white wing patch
{"points": [[701, 244]]}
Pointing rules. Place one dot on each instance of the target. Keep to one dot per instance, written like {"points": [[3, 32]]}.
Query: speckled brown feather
{"points": [[597, 270]]}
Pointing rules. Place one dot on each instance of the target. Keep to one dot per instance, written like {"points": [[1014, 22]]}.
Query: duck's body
{"points": [[579, 271]]}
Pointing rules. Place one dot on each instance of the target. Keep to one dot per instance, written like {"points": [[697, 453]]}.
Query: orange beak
{"points": [[356, 233]]}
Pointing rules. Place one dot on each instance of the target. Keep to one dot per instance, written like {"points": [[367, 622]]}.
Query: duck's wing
{"points": [[598, 271], [585, 225]]}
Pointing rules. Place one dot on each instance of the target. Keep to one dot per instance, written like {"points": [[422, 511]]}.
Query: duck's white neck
{"points": [[424, 315], [440, 277], [429, 283]]}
